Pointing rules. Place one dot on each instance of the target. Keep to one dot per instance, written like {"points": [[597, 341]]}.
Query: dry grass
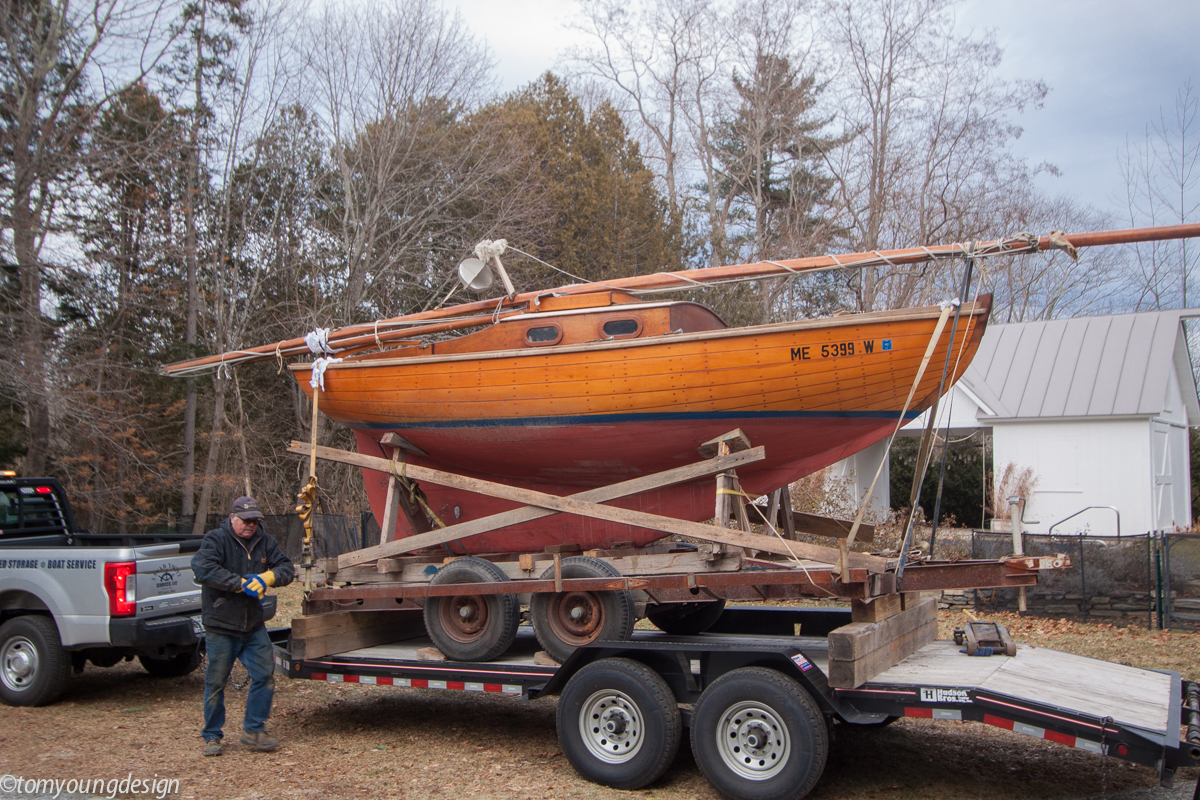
{"points": [[361, 741]]}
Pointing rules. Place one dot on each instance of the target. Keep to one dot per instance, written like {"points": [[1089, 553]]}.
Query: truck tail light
{"points": [[121, 584]]}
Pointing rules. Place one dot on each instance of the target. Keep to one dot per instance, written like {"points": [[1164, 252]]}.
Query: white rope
{"points": [[490, 249], [318, 342], [319, 365]]}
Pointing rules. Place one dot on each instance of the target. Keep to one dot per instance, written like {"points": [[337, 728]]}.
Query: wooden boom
{"points": [[482, 312]]}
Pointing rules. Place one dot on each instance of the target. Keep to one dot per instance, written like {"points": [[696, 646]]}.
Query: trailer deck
{"points": [[1102, 707]]}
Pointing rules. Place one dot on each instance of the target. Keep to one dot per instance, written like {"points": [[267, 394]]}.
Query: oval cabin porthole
{"points": [[622, 327], [546, 334]]}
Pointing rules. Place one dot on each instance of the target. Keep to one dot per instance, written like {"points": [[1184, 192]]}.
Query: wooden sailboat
{"points": [[572, 397]]}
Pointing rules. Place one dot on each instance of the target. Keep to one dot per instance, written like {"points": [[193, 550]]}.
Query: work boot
{"points": [[212, 747], [258, 740]]}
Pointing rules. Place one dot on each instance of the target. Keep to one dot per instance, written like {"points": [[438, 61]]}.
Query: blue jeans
{"points": [[254, 651]]}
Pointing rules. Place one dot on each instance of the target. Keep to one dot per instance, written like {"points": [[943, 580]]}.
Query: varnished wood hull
{"points": [[564, 419]]}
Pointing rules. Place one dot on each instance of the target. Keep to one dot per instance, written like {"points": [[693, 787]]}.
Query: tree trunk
{"points": [[214, 454], [33, 352]]}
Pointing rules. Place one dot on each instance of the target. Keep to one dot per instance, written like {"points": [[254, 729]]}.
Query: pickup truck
{"points": [[68, 596]]}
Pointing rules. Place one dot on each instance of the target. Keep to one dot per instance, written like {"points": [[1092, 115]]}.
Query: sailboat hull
{"points": [[564, 419]]}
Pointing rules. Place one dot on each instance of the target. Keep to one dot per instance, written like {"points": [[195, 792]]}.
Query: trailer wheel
{"points": [[758, 735], [685, 619], [471, 627], [566, 620], [618, 723], [34, 668]]}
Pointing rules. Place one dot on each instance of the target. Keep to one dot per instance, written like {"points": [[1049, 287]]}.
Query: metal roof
{"points": [[1117, 365]]}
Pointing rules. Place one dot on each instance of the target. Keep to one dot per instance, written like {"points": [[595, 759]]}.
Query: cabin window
{"points": [[547, 334], [622, 327]]}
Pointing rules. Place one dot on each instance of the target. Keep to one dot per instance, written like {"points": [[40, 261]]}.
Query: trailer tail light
{"points": [[44, 490], [120, 583]]}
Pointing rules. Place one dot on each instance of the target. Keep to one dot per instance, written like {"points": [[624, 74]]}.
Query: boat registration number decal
{"points": [[864, 347]]}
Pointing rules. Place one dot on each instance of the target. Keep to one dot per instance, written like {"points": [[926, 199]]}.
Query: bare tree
{"points": [[59, 64], [926, 121], [1162, 185], [392, 82]]}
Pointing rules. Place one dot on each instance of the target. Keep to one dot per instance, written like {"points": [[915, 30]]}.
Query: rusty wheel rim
{"points": [[576, 617], [464, 617]]}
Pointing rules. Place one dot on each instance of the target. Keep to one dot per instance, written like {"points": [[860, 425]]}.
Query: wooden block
{"points": [[337, 632], [430, 654], [544, 659], [858, 639], [877, 610], [910, 599], [388, 565], [329, 566], [735, 439], [852, 674], [525, 561]]}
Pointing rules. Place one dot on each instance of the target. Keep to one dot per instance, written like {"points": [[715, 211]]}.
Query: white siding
{"points": [[1080, 464], [860, 470]]}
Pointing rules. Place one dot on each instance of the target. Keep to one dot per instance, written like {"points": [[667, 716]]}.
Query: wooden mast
{"points": [[483, 312]]}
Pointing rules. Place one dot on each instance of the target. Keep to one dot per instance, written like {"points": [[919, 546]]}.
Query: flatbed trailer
{"points": [[754, 690]]}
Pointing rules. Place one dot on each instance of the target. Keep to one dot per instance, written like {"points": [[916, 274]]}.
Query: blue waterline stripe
{"points": [[607, 419]]}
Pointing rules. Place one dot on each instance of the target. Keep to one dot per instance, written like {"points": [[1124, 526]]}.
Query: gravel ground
{"points": [[347, 741]]}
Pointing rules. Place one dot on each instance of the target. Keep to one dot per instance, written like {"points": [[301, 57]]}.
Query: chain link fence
{"points": [[1152, 579]]}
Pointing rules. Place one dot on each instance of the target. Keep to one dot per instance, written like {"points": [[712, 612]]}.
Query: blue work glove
{"points": [[254, 586]]}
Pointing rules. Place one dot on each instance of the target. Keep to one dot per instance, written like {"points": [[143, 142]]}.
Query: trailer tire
{"points": [[757, 734], [471, 627], [563, 621], [618, 723], [174, 667], [34, 668], [685, 619]]}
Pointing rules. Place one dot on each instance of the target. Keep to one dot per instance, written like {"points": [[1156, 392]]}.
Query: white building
{"points": [[1098, 407]]}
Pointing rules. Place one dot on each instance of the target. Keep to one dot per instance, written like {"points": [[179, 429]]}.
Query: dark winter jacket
{"points": [[219, 566]]}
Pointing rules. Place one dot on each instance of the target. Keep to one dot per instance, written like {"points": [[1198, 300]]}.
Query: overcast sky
{"points": [[1111, 66]]}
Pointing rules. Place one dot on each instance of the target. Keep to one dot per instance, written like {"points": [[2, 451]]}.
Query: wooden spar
{"points": [[573, 505], [483, 311]]}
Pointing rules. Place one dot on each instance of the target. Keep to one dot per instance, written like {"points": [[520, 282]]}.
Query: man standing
{"points": [[234, 566]]}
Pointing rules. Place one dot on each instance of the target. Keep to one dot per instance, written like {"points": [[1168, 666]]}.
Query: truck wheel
{"points": [[566, 620], [685, 619], [173, 667], [618, 723], [34, 668], [758, 735], [472, 627]]}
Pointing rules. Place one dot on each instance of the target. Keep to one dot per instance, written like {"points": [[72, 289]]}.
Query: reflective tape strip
{"points": [[933, 713], [418, 683], [1042, 733]]}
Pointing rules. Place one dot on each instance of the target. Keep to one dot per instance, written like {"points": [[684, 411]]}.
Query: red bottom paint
{"points": [[565, 459]]}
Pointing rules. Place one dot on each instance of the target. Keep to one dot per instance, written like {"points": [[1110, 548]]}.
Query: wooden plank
{"points": [[852, 674], [395, 570], [337, 632], [877, 610], [858, 639], [416, 518], [828, 526], [391, 505], [484, 524], [573, 505]]}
